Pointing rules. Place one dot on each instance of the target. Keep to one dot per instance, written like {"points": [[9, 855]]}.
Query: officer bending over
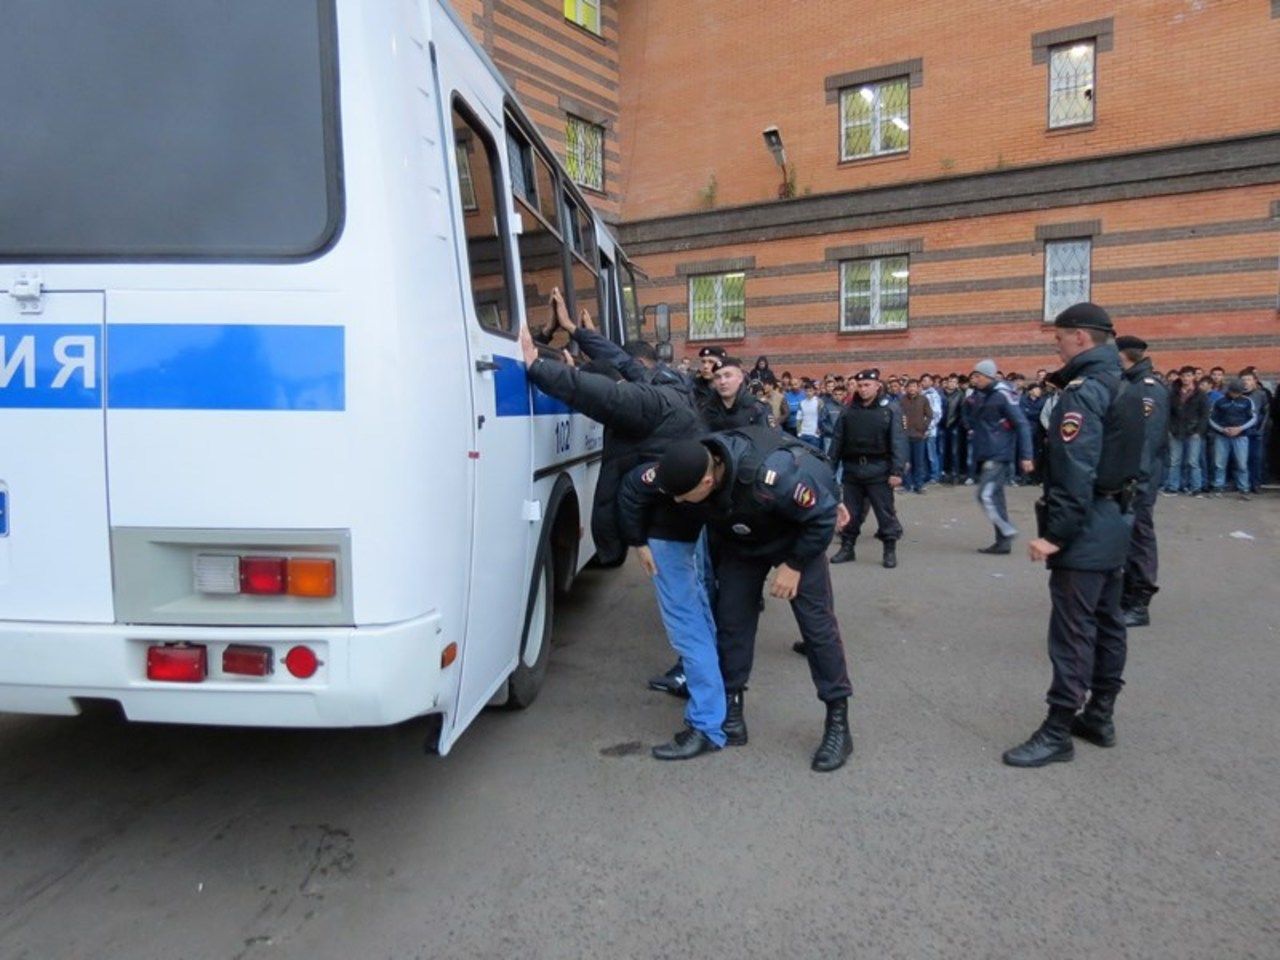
{"points": [[871, 442], [1093, 456], [770, 502]]}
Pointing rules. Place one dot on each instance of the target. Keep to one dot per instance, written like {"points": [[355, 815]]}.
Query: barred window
{"points": [[1066, 275], [466, 187], [584, 152], [717, 306], [585, 13], [873, 294], [875, 119], [1071, 84]]}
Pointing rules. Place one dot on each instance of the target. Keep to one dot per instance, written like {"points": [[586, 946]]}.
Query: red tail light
{"points": [[262, 575], [247, 661], [177, 664], [302, 662]]}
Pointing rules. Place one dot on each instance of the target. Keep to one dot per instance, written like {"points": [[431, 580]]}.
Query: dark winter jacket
{"points": [[999, 429], [1188, 414]]}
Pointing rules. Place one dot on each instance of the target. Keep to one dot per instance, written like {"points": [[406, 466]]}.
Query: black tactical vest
{"points": [[866, 430]]}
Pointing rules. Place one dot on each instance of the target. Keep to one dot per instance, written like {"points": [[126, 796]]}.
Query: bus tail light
{"points": [[262, 575], [302, 662], [177, 664], [247, 661], [217, 573], [311, 577]]}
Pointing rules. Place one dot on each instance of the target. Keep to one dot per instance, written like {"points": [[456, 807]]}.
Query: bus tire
{"points": [[535, 649]]}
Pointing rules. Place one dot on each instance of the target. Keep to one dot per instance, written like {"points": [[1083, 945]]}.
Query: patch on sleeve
{"points": [[1071, 424], [1148, 406], [770, 477], [649, 477], [1075, 383], [804, 496]]}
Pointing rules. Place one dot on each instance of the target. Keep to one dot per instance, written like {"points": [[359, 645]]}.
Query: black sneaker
{"points": [[672, 682]]}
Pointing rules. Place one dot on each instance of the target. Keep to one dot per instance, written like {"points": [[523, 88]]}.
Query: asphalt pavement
{"points": [[551, 833]]}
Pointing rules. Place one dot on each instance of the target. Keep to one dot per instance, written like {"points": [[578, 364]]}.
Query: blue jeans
{"points": [[1231, 448], [995, 474], [934, 450], [1184, 451], [687, 616], [919, 464], [1257, 460]]}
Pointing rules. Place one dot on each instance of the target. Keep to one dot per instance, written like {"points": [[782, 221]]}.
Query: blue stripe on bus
{"points": [[511, 389], [173, 367]]}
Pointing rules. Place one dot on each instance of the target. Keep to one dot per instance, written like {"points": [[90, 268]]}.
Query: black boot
{"points": [[1094, 723], [735, 724], [801, 648], [890, 554], [672, 682], [685, 745], [1137, 616], [1050, 744], [1002, 544], [846, 552], [837, 742]]}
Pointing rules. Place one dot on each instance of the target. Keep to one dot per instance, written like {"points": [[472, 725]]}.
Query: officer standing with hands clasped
{"points": [[1093, 458], [871, 442], [770, 502]]}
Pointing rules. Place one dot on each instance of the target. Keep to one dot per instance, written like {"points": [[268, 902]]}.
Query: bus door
{"points": [[55, 556], [502, 518]]}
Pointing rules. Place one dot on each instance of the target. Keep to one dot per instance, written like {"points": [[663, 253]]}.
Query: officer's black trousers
{"points": [[1087, 643], [857, 495], [740, 581], [1142, 563]]}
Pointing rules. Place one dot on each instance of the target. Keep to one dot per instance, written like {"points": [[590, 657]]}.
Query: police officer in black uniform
{"points": [[872, 444], [703, 378], [731, 404], [1093, 458], [771, 502], [1141, 566]]}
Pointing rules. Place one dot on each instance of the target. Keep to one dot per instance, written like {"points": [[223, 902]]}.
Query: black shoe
{"points": [[1095, 722], [890, 555], [735, 724], [685, 745], [845, 554], [672, 682], [1002, 545], [837, 742], [801, 648], [1137, 616], [1050, 744]]}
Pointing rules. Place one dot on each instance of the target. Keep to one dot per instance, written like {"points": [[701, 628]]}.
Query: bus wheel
{"points": [[535, 652]]}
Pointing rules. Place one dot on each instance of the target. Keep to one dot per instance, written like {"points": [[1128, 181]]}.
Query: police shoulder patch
{"points": [[804, 496], [1070, 427], [770, 477], [1148, 406], [649, 477]]}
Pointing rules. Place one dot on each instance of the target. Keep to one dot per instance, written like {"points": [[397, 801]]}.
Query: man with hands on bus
{"points": [[770, 503]]}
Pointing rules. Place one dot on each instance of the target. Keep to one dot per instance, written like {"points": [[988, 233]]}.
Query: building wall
{"points": [[556, 68]]}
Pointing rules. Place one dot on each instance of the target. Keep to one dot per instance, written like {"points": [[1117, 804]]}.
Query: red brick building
{"points": [[954, 170]]}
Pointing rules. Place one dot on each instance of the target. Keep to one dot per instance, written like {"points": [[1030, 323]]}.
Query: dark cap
{"points": [[1130, 343], [729, 362], [711, 352], [682, 466], [870, 374], [1235, 385], [1084, 316]]}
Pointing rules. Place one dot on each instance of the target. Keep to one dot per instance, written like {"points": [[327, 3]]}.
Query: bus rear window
{"points": [[205, 129]]}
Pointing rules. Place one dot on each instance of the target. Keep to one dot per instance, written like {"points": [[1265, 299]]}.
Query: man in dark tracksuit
{"points": [[1141, 566], [770, 503], [998, 434], [1093, 458], [871, 443]]}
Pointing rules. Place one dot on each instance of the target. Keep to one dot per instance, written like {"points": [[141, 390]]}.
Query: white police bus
{"points": [[268, 455]]}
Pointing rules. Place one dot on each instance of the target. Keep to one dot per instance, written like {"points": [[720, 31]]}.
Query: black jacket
{"points": [[1092, 449], [747, 410], [640, 420], [1189, 417], [871, 441], [1155, 431]]}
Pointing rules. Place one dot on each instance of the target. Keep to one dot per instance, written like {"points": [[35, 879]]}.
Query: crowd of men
{"points": [[719, 476]]}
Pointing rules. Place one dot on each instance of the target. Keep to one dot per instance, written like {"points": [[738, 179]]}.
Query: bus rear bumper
{"points": [[367, 676]]}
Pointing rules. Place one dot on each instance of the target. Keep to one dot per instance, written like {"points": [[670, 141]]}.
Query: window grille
{"points": [[1071, 84], [875, 119], [873, 294], [466, 186], [717, 306], [585, 13], [584, 150], [1066, 275]]}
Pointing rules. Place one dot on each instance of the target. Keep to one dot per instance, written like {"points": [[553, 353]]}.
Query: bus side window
{"points": [[540, 241], [486, 252], [586, 284]]}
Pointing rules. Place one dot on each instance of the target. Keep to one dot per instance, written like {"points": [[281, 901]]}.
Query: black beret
{"points": [[1084, 316], [711, 352], [1128, 342], [682, 466], [871, 374], [729, 362]]}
